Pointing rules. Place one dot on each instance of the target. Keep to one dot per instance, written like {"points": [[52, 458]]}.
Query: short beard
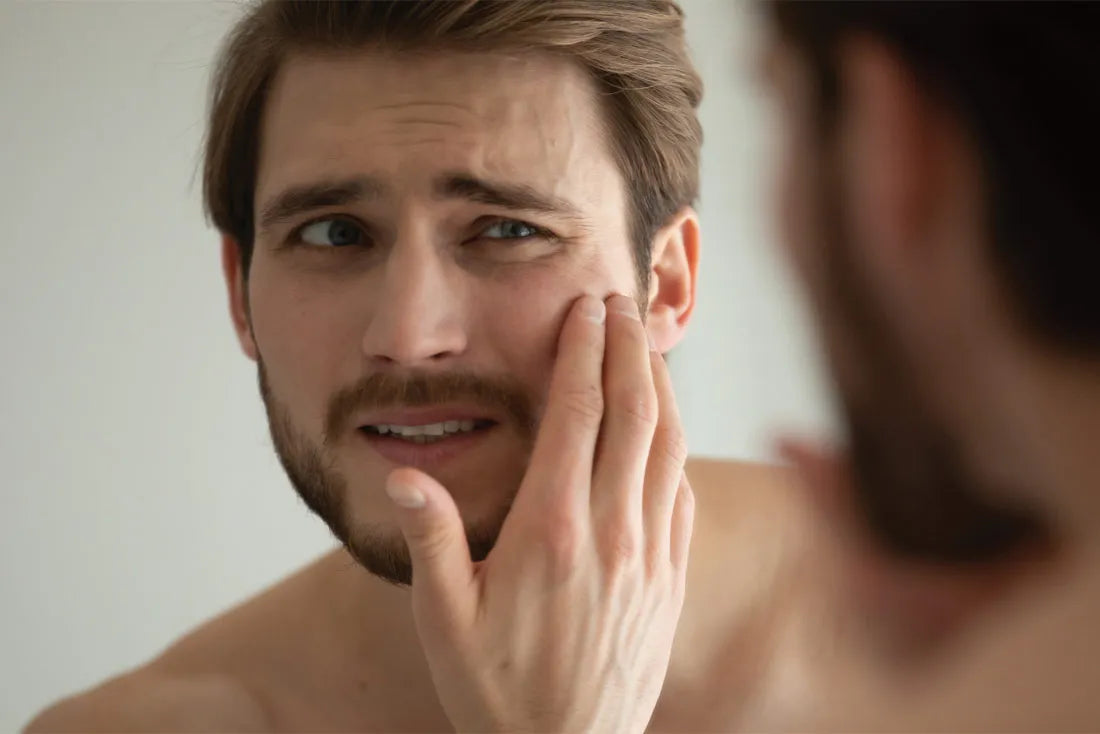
{"points": [[920, 498], [323, 488]]}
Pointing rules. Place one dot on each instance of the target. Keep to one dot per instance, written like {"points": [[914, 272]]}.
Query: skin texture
{"points": [[795, 616], [568, 623], [434, 292], [332, 648], [431, 294]]}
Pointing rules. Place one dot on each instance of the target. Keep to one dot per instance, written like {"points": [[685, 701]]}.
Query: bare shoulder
{"points": [[217, 677], [737, 476], [150, 701], [751, 543], [749, 553], [1045, 651], [734, 493]]}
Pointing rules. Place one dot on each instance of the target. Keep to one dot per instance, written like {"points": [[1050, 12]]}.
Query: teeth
{"points": [[426, 433]]}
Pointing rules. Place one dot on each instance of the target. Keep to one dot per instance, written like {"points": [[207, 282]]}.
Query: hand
{"points": [[568, 624]]}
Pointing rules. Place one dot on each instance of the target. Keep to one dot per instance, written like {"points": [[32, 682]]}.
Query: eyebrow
{"points": [[304, 198], [518, 197]]}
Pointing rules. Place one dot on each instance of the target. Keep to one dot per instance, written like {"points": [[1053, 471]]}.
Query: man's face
{"points": [[423, 222], [922, 499]]}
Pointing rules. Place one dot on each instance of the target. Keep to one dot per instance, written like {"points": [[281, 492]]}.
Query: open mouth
{"points": [[427, 433]]}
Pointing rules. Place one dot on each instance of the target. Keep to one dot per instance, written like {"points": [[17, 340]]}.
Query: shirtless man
{"points": [[939, 197], [419, 201]]}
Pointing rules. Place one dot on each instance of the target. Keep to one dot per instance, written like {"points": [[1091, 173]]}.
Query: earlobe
{"points": [[237, 290], [673, 271]]}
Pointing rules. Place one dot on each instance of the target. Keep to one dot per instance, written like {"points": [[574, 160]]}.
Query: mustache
{"points": [[417, 389]]}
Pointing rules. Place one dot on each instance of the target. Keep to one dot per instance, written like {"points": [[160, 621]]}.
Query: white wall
{"points": [[747, 367], [141, 494]]}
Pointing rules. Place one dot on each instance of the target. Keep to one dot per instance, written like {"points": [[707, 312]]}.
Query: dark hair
{"points": [[1025, 79], [634, 50]]}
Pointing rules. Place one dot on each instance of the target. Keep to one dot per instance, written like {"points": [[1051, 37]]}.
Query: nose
{"points": [[417, 320]]}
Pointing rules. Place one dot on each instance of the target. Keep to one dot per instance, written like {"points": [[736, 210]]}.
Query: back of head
{"points": [[634, 50], [1024, 79]]}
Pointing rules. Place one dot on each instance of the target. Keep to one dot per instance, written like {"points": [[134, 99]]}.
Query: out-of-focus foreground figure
{"points": [[939, 199]]}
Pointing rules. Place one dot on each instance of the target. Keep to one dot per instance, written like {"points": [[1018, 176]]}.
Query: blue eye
{"points": [[333, 232], [510, 229]]}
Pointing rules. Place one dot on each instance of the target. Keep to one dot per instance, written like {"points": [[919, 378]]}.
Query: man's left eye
{"points": [[510, 229]]}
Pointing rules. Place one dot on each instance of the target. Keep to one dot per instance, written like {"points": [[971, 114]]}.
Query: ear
{"points": [[896, 168], [673, 271], [237, 288]]}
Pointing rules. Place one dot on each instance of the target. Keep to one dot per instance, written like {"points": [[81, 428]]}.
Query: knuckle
{"points": [[430, 543], [655, 563], [672, 444], [687, 499], [638, 402], [561, 543], [620, 548], [586, 403]]}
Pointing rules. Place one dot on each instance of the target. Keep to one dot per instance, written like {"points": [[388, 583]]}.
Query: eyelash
{"points": [[295, 237], [538, 232]]}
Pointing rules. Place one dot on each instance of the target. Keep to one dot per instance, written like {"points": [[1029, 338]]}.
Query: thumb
{"points": [[443, 573]]}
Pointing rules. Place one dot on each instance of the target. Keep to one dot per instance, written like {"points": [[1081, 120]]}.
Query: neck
{"points": [[1057, 401], [1033, 425], [373, 644]]}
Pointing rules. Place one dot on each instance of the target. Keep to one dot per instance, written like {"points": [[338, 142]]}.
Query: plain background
{"points": [[141, 494]]}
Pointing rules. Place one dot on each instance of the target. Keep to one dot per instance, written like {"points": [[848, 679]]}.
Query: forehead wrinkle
{"points": [[424, 104], [544, 129], [425, 121]]}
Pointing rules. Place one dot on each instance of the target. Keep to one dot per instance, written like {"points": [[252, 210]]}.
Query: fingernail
{"points": [[594, 310], [624, 305], [405, 496]]}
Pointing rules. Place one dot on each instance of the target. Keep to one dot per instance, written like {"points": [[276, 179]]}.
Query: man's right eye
{"points": [[332, 232]]}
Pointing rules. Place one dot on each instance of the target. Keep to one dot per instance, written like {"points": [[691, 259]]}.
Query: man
{"points": [[425, 207], [939, 199]]}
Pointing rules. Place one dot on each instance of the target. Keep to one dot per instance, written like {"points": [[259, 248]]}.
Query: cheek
{"points": [[302, 334], [524, 319], [523, 316]]}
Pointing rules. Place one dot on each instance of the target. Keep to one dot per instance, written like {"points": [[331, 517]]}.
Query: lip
{"points": [[425, 455]]}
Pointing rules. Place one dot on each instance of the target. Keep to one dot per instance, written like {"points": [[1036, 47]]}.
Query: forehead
{"points": [[404, 118]]}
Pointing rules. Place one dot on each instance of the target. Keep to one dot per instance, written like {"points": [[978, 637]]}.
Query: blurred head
{"points": [[411, 195], [938, 194]]}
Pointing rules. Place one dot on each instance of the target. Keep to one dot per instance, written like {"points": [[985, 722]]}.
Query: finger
{"points": [[560, 470], [443, 592], [630, 417], [683, 524], [665, 464]]}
